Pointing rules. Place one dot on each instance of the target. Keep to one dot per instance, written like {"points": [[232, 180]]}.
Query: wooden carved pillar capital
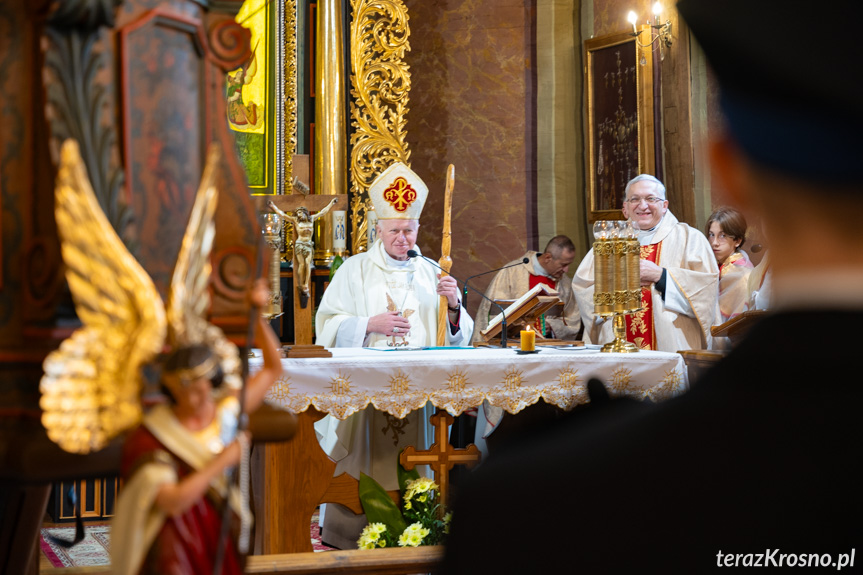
{"points": [[78, 104], [82, 14]]}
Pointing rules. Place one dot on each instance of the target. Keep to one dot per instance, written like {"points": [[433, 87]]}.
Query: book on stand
{"points": [[737, 327], [522, 311]]}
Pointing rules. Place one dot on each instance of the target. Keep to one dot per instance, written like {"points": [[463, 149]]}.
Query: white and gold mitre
{"points": [[398, 194]]}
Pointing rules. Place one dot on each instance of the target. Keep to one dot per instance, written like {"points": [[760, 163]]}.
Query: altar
{"points": [[292, 478]]}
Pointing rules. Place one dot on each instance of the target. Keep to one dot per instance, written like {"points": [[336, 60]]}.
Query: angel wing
{"points": [[391, 305], [407, 313], [92, 383], [189, 297]]}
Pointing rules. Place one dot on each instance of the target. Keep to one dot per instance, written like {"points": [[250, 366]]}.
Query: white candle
{"points": [[371, 232], [339, 231]]}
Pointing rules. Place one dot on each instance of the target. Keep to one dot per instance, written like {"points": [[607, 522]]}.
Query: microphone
{"points": [[464, 294], [414, 253]]}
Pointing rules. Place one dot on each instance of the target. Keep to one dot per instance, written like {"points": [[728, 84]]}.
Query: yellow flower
{"points": [[365, 542], [371, 536], [413, 535], [422, 485], [378, 528]]}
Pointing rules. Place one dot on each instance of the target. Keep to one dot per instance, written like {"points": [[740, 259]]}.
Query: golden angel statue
{"points": [[177, 457]]}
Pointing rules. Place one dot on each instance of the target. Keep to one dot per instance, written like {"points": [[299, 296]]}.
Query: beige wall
{"points": [[560, 148], [472, 104]]}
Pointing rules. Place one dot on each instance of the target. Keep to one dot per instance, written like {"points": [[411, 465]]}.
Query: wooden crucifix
{"points": [[441, 456], [313, 203]]}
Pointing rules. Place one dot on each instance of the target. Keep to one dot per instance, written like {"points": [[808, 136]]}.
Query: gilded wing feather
{"points": [[189, 298], [391, 305], [92, 383]]}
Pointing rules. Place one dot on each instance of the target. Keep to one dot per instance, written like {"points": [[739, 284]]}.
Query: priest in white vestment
{"points": [[549, 268], [679, 278], [382, 298]]}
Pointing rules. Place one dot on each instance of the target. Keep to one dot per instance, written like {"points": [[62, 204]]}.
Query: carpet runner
{"points": [[93, 550], [90, 552]]}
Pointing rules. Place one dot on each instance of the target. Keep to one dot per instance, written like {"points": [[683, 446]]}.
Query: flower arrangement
{"points": [[419, 521]]}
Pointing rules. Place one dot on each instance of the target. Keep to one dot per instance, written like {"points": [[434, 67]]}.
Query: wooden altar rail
{"points": [[394, 561]]}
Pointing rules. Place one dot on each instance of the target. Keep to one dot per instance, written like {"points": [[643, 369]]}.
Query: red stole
{"points": [[639, 325], [539, 324]]}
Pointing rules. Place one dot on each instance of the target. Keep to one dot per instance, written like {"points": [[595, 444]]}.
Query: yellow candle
{"points": [[528, 340]]}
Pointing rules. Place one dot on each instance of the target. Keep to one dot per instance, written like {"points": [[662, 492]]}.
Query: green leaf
{"points": [[405, 476], [379, 506]]}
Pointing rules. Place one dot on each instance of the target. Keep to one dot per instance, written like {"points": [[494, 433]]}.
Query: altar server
{"points": [[726, 232]]}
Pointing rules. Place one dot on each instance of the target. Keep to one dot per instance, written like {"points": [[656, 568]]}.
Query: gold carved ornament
{"points": [[92, 383], [290, 87], [380, 84]]}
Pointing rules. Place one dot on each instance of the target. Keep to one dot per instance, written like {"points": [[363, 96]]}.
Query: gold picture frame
{"points": [[620, 120]]}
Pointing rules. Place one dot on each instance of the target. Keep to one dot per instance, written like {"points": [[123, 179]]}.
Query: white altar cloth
{"points": [[455, 379]]}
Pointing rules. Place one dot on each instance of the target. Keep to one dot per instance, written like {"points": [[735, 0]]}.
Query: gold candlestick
{"points": [[619, 345], [271, 227]]}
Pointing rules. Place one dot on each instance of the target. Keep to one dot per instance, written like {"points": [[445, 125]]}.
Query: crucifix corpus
{"points": [[302, 211]]}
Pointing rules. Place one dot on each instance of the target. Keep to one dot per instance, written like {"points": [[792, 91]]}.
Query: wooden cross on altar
{"points": [[441, 456], [314, 203]]}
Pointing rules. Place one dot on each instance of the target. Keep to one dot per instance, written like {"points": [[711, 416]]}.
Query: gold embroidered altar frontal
{"points": [[399, 382]]}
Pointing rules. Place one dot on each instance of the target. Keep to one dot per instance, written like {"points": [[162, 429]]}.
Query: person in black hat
{"points": [[760, 463]]}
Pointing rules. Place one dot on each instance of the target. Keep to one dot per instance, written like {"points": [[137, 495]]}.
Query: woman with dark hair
{"points": [[726, 232], [175, 464]]}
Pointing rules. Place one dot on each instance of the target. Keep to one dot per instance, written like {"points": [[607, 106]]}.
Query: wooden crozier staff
{"points": [[445, 261]]}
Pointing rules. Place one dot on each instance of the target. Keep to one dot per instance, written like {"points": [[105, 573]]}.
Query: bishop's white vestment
{"points": [[683, 317], [370, 441]]}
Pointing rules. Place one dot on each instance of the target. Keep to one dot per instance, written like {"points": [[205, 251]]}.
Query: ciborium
{"points": [[617, 278]]}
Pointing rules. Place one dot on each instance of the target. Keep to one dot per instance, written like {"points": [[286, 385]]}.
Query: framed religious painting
{"points": [[261, 99], [620, 120]]}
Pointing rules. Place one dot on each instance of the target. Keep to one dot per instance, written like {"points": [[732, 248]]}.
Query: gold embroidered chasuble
{"points": [[690, 269], [639, 326]]}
